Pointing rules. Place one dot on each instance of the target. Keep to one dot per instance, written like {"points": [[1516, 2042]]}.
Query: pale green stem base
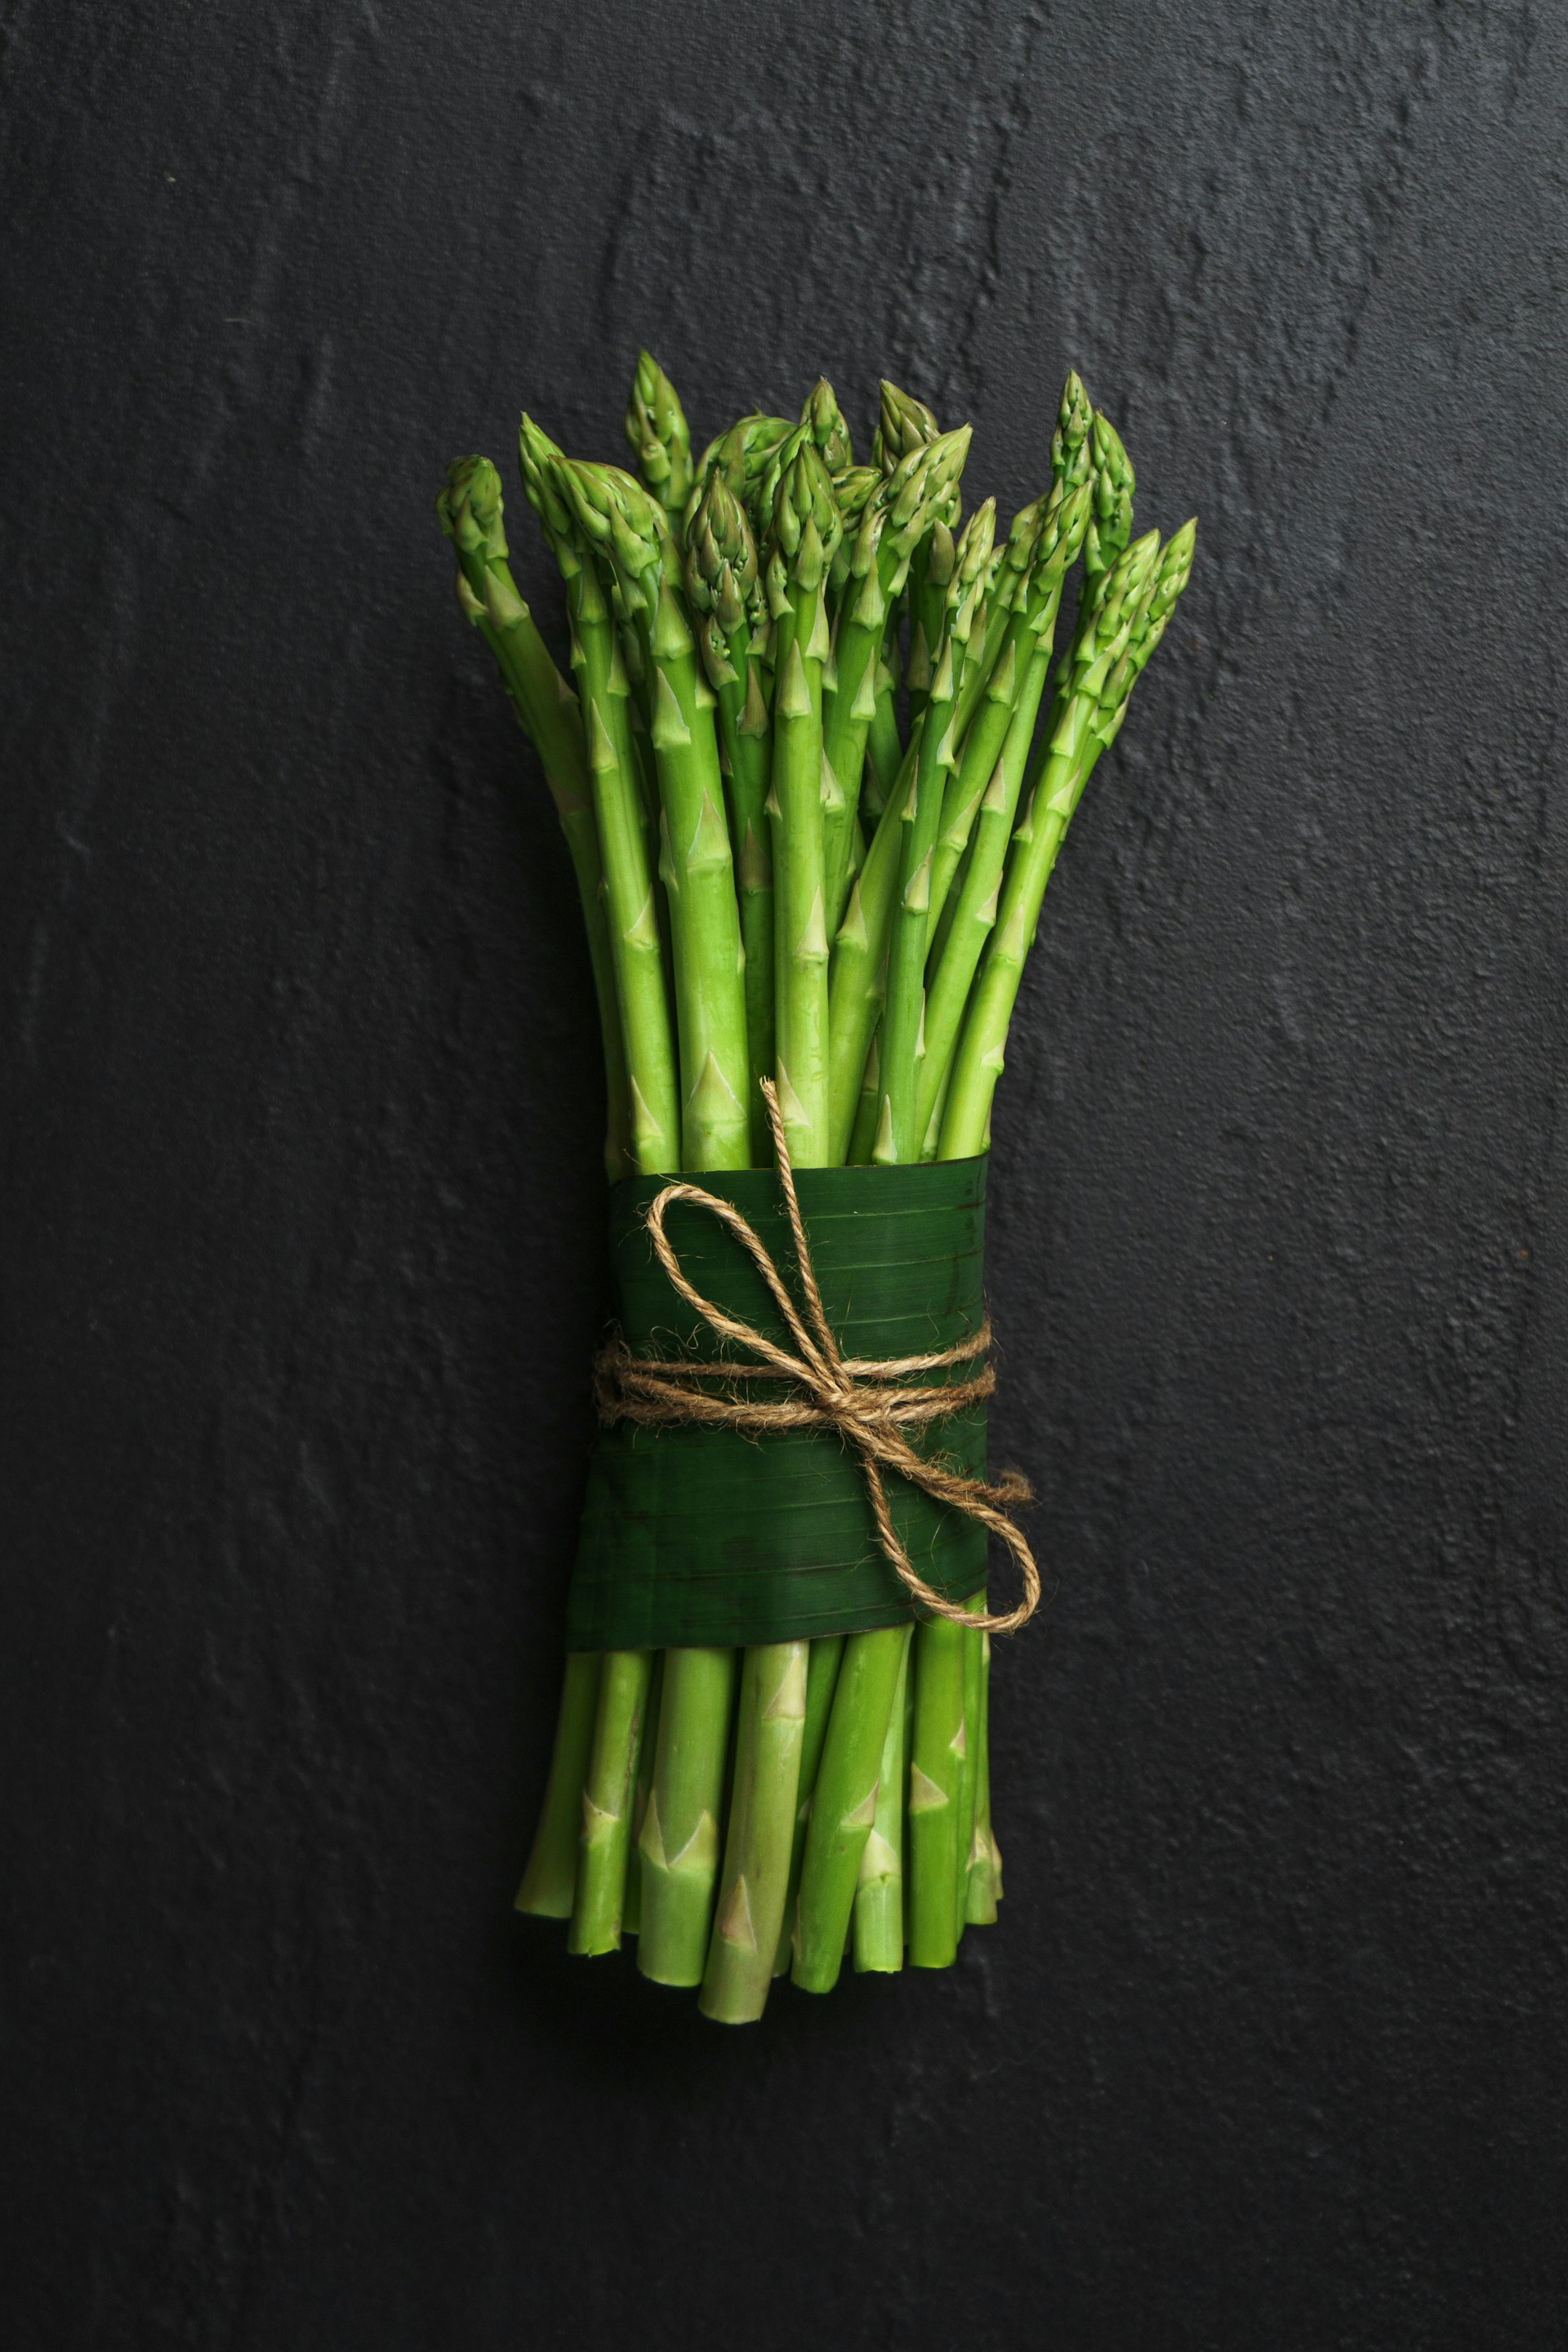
{"points": [[550, 1881], [982, 1890], [608, 1791], [935, 1765], [631, 1921], [844, 1802], [821, 1678], [880, 1896], [677, 1844], [761, 1834]]}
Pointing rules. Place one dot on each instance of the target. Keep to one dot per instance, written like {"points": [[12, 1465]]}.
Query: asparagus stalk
{"points": [[722, 585], [821, 1680], [656, 427], [897, 1136], [550, 1881], [1131, 605], [879, 1896], [761, 1828], [806, 531], [936, 1757], [679, 1843], [895, 523], [969, 1762], [804, 536], [631, 1920], [983, 1885], [469, 509], [948, 987], [905, 427], [628, 882], [1018, 679], [698, 870], [609, 1785]]}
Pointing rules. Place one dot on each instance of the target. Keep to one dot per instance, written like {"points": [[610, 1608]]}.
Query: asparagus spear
{"points": [[982, 1887], [897, 1136], [892, 527], [698, 868], [948, 984], [844, 1802], [821, 1680], [805, 532], [975, 1665], [762, 1828], [723, 587], [879, 1896], [656, 427], [628, 882], [609, 1785], [469, 509], [1132, 604], [936, 1756], [679, 1843]]}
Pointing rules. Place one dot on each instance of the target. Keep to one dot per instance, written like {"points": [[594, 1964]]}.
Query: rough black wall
{"points": [[300, 1224]]}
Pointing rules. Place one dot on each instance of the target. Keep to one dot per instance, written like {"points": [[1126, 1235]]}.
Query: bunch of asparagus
{"points": [[813, 810]]}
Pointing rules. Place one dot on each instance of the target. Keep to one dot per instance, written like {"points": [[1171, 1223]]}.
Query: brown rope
{"points": [[857, 1397]]}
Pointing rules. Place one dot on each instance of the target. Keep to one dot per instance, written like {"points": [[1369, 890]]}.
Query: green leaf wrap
{"points": [[709, 1537]]}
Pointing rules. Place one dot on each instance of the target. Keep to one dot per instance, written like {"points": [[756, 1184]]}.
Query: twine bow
{"points": [[865, 1401]]}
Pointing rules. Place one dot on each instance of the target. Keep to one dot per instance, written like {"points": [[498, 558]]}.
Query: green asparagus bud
{"points": [[855, 489], [1072, 455], [804, 503], [741, 451], [1110, 525], [720, 556], [656, 427], [537, 455], [905, 425], [921, 491], [823, 417]]}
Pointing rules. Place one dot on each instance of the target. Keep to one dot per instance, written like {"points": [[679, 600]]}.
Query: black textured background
{"points": [[300, 1228]]}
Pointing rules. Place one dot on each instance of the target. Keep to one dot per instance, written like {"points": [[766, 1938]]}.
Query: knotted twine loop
{"points": [[860, 1397]]}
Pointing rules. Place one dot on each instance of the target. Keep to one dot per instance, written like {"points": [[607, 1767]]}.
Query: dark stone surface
{"points": [[301, 1226]]}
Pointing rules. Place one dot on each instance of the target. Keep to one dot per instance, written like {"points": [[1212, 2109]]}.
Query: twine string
{"points": [[864, 1398]]}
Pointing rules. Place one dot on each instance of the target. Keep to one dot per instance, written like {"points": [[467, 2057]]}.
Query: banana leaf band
{"points": [[799, 1490]]}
